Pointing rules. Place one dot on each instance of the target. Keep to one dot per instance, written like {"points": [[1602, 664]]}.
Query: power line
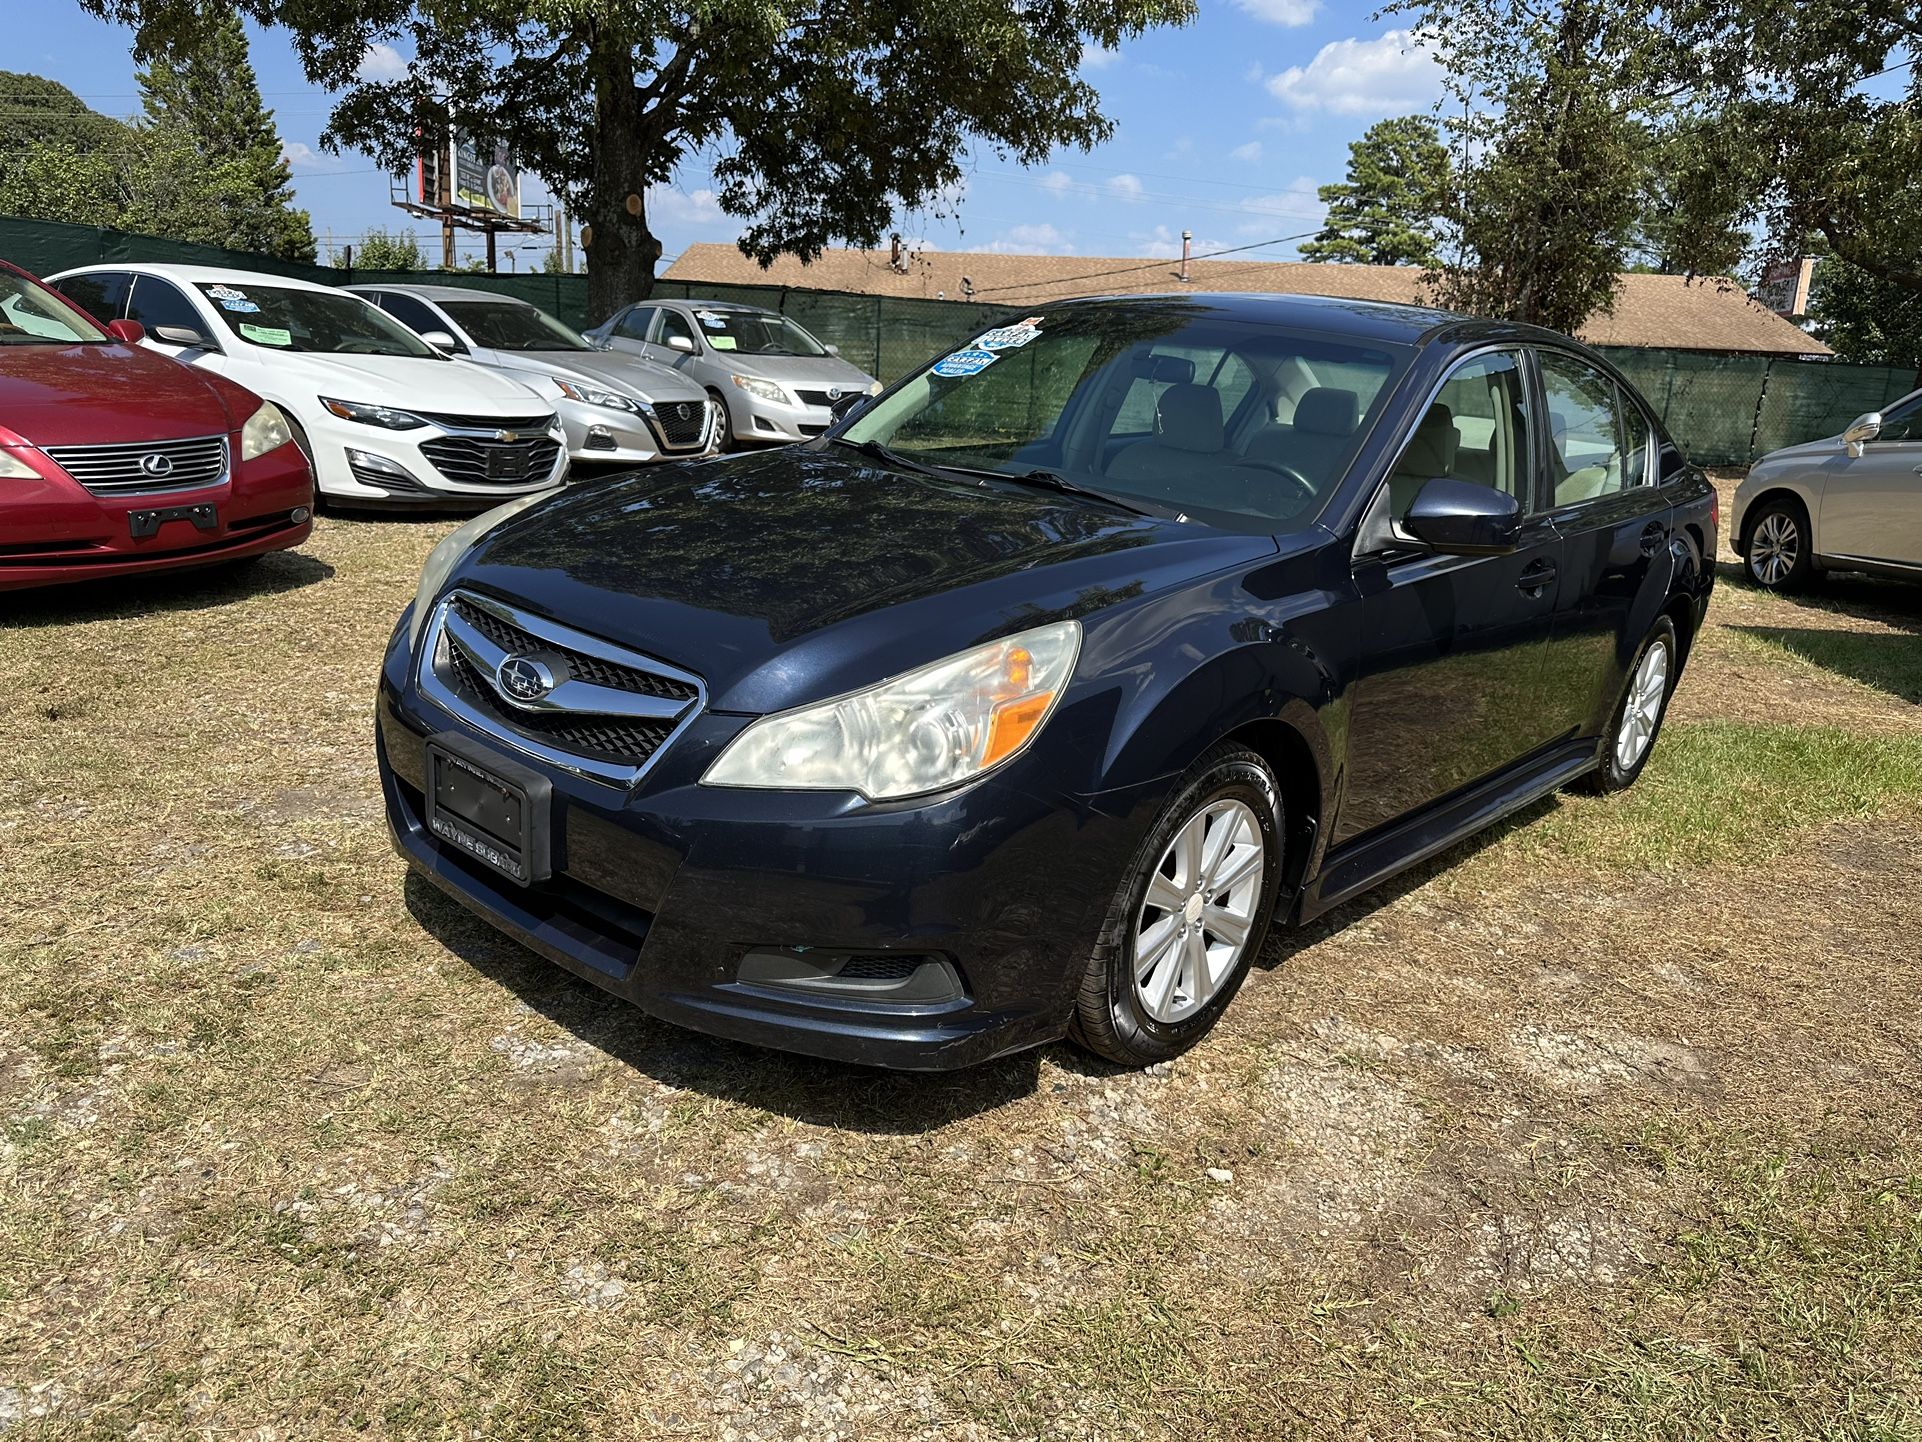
{"points": [[1148, 265]]}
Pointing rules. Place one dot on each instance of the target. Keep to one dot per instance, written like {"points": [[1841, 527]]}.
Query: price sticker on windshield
{"points": [[964, 363], [1011, 337]]}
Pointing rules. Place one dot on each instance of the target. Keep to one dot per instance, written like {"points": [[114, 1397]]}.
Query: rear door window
{"points": [[1598, 441], [411, 313], [101, 294], [635, 321]]}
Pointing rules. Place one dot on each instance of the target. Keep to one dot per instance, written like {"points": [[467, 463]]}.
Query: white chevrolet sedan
{"points": [[384, 418], [1851, 502]]}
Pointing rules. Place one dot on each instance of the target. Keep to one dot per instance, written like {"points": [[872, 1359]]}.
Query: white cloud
{"points": [[306, 159], [1295, 209], [1095, 59], [1163, 243], [1058, 183], [1029, 240], [1389, 75], [1125, 187], [681, 207], [1246, 154], [1281, 12], [381, 62]]}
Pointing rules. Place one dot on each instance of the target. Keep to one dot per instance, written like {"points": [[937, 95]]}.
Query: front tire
{"points": [[724, 424], [1190, 916], [1637, 718], [1779, 551]]}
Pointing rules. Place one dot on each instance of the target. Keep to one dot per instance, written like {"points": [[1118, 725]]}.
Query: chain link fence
{"points": [[1722, 409]]}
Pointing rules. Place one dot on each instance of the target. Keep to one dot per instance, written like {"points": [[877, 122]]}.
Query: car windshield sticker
{"points": [[226, 292], [266, 334], [723, 342], [964, 363], [239, 307], [1011, 337], [711, 320]]}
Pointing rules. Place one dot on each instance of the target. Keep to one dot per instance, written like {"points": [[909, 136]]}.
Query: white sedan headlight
{"points": [[455, 544], [266, 430], [766, 390], [925, 731], [595, 396]]}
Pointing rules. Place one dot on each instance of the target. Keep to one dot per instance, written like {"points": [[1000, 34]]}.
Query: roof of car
{"points": [[203, 274], [1379, 320], [440, 292], [694, 302]]}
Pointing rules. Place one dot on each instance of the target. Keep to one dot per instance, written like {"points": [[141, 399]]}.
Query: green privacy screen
{"points": [[1722, 409]]}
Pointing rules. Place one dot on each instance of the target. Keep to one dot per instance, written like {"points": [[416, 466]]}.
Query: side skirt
{"points": [[1370, 860]]}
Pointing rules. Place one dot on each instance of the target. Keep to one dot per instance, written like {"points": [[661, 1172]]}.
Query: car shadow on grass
{"points": [[1852, 593], [1888, 663], [806, 1089], [193, 589]]}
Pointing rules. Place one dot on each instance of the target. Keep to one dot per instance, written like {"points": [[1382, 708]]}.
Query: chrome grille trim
{"points": [[457, 656], [677, 434], [462, 459], [114, 470]]}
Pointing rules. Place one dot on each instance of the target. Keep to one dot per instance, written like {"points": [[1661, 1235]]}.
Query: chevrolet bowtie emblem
{"points": [[508, 437]]}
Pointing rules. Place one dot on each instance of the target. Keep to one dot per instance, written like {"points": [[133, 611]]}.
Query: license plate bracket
{"points": [[493, 811], [143, 524], [504, 464]]}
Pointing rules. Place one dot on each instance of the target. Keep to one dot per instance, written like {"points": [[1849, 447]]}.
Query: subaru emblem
{"points": [[522, 678], [156, 465]]}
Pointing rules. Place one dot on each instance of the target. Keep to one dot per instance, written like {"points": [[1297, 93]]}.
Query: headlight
{"points": [[925, 731], [266, 430], [593, 396], [12, 468], [373, 415], [455, 544], [766, 390]]}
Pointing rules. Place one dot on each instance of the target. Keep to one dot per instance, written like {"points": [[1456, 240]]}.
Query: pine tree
{"points": [[205, 92], [1389, 211]]}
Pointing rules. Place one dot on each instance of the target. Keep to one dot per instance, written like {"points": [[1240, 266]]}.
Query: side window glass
{"points": [[1902, 422], [159, 302], [1588, 453], [411, 313], [634, 322], [1476, 429], [673, 323], [101, 295], [1635, 444]]}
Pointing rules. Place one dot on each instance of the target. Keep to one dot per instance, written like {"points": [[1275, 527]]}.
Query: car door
{"points": [[156, 302], [1871, 507], [670, 324], [1616, 522], [627, 331], [1451, 647], [420, 318]]}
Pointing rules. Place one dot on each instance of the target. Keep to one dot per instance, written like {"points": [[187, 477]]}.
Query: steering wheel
{"points": [[355, 346], [1282, 469]]}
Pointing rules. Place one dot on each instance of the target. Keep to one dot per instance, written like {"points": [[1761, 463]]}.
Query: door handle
{"points": [[1654, 537], [1536, 577]]}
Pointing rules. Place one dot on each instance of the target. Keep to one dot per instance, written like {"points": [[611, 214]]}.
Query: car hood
{"points": [[419, 383], [627, 373], [802, 370], [1817, 450], [63, 395], [803, 573]]}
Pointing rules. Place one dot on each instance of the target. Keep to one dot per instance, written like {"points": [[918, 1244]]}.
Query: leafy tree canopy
{"points": [[380, 251], [39, 111], [1865, 318], [1389, 211], [822, 120]]}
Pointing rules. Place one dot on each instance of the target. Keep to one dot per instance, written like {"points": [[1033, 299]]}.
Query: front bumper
{"points": [[369, 465], [755, 418], [602, 434], [662, 893]]}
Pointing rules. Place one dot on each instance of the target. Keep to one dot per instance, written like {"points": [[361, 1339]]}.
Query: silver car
{"points": [[1851, 502], [774, 381], [614, 407]]}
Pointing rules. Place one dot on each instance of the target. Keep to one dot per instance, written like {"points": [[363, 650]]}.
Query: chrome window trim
{"points": [[437, 635]]}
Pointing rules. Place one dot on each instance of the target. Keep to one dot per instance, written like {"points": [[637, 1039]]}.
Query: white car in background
{"points": [[1851, 502], [385, 419], [616, 409]]}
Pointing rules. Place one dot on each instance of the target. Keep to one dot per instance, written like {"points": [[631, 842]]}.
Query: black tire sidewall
{"points": [[1614, 777], [1236, 775], [1804, 563], [724, 438]]}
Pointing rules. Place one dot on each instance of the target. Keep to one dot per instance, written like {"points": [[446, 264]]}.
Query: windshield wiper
{"points": [[874, 450], [1043, 479]]}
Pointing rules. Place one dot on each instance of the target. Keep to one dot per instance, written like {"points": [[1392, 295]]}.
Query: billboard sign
{"points": [[1785, 287], [467, 176]]}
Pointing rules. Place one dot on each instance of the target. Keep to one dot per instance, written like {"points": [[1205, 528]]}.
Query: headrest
{"points": [[1189, 418], [1431, 450], [1326, 411]]}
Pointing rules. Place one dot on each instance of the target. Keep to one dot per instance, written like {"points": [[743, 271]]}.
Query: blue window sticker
{"points": [[964, 363], [239, 307]]}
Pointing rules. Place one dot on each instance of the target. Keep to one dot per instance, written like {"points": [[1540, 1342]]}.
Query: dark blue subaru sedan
{"points": [[1019, 704]]}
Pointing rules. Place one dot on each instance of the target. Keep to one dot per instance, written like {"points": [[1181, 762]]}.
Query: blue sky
{"points": [[1224, 128]]}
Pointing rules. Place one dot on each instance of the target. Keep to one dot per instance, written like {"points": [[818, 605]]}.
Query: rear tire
{"points": [[1637, 718], [1778, 554], [1190, 916]]}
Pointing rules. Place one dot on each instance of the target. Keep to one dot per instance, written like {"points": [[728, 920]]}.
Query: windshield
{"points": [[1164, 403], [756, 332], [328, 322], [507, 325], [33, 315]]}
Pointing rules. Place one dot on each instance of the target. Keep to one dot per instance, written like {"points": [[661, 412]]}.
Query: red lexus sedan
{"points": [[116, 460]]}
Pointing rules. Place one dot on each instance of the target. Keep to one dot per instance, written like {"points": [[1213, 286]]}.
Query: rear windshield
{"points": [[327, 322], [33, 315]]}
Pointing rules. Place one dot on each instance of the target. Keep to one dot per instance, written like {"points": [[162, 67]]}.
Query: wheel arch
{"points": [[1298, 773], [1779, 492]]}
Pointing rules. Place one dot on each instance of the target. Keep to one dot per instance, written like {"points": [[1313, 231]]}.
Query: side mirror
{"points": [[1861, 429], [851, 404], [182, 335], [831, 349], [130, 331], [440, 340], [680, 343], [1461, 518]]}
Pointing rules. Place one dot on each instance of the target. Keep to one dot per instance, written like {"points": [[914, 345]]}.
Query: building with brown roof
{"points": [[1663, 311]]}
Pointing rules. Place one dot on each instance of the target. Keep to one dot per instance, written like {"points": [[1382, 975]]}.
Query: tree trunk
{"points": [[623, 251]]}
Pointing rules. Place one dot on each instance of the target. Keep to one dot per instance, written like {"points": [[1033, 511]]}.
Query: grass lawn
{"points": [[1607, 1125]]}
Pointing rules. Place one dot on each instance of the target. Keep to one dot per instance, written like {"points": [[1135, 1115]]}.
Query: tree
{"points": [[40, 111], [1555, 103], [1703, 185], [202, 87], [380, 251], [554, 263], [1865, 318], [826, 119], [1389, 210]]}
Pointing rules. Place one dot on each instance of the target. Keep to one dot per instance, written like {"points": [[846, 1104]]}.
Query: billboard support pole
{"points": [[491, 267]]}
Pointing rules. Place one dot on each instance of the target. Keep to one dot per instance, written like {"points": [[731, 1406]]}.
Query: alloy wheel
{"points": [[1199, 911], [1776, 547], [1642, 712]]}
